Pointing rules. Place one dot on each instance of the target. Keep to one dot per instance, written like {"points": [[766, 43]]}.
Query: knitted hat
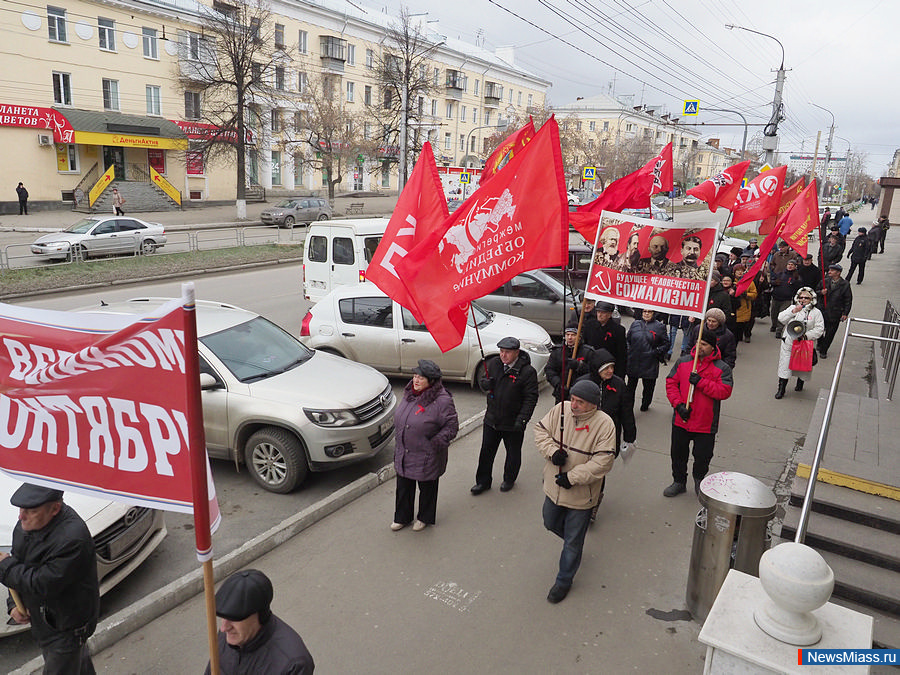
{"points": [[717, 314], [587, 390], [708, 337]]}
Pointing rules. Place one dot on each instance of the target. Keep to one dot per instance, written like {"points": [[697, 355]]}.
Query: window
{"points": [[386, 100], [317, 249], [62, 88], [474, 115], [367, 130], [351, 55], [302, 82], [462, 142], [67, 158], [193, 160], [472, 144], [510, 96], [530, 100], [628, 127], [447, 141], [578, 126], [386, 174], [193, 40], [275, 121], [342, 252], [298, 120], [106, 30], [475, 93], [279, 78], [462, 113], [367, 95], [487, 118], [298, 169], [350, 88], [437, 74], [367, 311], [256, 72], [151, 46], [276, 166], [434, 107], [606, 126], [302, 42], [255, 27], [519, 99], [370, 59], [56, 24], [592, 126], [279, 36], [192, 105], [421, 105], [153, 105], [449, 110], [332, 47], [590, 144]]}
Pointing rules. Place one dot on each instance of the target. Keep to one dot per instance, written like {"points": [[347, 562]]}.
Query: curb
{"points": [[136, 616]]}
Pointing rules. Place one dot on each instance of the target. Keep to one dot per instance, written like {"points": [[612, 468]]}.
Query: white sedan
{"points": [[363, 324], [101, 235], [124, 535]]}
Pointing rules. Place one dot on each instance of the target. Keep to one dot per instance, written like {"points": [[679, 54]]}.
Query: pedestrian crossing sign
{"points": [[691, 108], [465, 177], [588, 173]]}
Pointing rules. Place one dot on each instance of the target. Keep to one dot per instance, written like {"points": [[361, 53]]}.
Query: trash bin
{"points": [[730, 532]]}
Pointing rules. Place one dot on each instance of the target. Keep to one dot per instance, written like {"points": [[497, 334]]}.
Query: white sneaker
{"points": [[418, 526], [397, 526]]}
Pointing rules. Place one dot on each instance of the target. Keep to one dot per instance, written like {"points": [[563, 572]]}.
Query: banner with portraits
{"points": [[651, 264]]}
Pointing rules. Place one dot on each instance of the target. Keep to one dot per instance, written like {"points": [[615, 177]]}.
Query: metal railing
{"points": [[890, 351], [85, 184], [890, 339]]}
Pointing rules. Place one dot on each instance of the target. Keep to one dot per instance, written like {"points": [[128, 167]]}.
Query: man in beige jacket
{"points": [[573, 472]]}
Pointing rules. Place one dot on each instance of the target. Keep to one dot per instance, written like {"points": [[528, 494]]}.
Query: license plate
{"points": [[127, 539], [385, 427]]}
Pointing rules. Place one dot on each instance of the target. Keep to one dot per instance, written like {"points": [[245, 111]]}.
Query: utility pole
{"points": [[404, 120], [827, 150]]}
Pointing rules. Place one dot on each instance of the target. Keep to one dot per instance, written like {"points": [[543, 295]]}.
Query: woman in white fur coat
{"points": [[802, 309]]}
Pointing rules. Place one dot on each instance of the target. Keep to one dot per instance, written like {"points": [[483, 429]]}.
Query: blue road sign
{"points": [[691, 108]]}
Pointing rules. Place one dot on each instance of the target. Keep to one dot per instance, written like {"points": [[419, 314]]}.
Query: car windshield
{"points": [[256, 349], [482, 316], [287, 204], [82, 226]]}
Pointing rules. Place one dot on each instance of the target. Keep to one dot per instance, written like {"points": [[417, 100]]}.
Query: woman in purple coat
{"points": [[425, 423]]}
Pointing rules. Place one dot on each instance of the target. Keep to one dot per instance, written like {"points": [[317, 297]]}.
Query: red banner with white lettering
{"points": [[37, 118], [760, 198], [651, 264], [788, 195], [721, 189], [100, 404]]}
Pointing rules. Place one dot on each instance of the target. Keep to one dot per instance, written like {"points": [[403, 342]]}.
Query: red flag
{"points": [[800, 219], [787, 198], [629, 192], [765, 248], [420, 210], [761, 198], [513, 223], [721, 189], [507, 150]]}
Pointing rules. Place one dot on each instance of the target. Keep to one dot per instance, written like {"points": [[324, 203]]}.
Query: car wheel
{"points": [[148, 246], [323, 216], [275, 459], [479, 373], [289, 221]]}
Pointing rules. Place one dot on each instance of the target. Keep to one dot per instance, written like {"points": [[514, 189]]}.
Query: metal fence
{"points": [[890, 351]]}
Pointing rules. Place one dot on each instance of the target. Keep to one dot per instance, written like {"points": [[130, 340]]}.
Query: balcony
{"points": [[332, 51], [493, 94], [455, 84]]}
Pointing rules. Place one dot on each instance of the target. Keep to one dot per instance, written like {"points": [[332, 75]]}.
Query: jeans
{"points": [[571, 525], [490, 443], [680, 450], [673, 332], [404, 504], [67, 659]]}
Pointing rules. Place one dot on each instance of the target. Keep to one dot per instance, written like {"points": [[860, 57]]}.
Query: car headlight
{"points": [[331, 418], [53, 243], [534, 347]]}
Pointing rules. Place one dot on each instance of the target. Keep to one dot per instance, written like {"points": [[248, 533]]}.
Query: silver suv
{"points": [[296, 210], [277, 406]]}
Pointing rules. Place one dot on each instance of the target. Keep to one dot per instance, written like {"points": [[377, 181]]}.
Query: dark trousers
{"points": [[778, 306], [490, 443], [59, 661], [881, 240], [741, 330], [406, 498], [23, 207], [680, 451], [570, 525], [119, 211], [646, 394], [824, 342], [862, 271]]}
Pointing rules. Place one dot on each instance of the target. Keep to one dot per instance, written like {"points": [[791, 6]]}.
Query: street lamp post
{"points": [[744, 143], [483, 126], [827, 149], [770, 131]]}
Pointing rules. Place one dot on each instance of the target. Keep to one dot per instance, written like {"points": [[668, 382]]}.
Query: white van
{"points": [[337, 253]]}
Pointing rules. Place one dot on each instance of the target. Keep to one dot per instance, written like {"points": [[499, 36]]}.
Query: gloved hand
{"points": [[486, 383], [562, 480], [694, 378], [571, 364], [683, 411], [559, 457]]}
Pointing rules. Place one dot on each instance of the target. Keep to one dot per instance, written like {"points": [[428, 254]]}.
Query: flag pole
{"points": [[199, 484], [712, 265], [478, 335]]}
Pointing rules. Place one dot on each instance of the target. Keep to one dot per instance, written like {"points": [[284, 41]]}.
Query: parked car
{"points": [[654, 212], [535, 296], [277, 406], [690, 199], [363, 324], [337, 253], [453, 204], [728, 243], [296, 210], [101, 235], [124, 535], [578, 266]]}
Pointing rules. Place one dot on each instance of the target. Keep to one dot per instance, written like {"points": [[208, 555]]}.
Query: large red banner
{"points": [[98, 403], [651, 264]]}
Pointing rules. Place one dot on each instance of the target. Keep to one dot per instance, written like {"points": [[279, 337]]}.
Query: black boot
{"points": [[799, 385], [782, 385]]}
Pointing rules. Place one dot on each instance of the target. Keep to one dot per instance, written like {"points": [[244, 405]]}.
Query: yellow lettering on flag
{"points": [[105, 180], [165, 186]]}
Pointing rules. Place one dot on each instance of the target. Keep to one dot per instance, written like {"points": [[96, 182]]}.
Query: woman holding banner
{"points": [[803, 323]]}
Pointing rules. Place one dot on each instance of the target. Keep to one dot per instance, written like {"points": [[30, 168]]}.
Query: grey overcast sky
{"points": [[837, 54]]}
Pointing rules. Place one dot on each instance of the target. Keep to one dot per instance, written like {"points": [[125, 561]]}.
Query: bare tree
{"points": [[225, 71]]}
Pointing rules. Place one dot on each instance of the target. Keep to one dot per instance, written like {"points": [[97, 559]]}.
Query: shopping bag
{"points": [[802, 356]]}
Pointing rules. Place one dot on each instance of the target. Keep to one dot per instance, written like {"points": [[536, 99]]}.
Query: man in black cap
{"points": [[809, 272], [607, 333], [576, 364], [858, 254], [835, 301], [577, 456], [752, 249], [511, 386], [53, 567], [251, 638]]}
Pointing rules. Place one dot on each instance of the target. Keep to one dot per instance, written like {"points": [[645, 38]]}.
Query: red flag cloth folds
{"points": [[507, 149], [515, 222], [760, 198], [721, 189], [787, 198], [629, 192], [421, 209]]}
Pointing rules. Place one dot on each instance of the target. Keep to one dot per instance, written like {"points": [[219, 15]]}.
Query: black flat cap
{"points": [[30, 496], [244, 593], [428, 369], [508, 343], [835, 266], [604, 307]]}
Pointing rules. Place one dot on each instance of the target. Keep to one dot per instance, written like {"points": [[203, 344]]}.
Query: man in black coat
{"points": [[53, 567], [833, 250], [22, 194], [809, 272], [859, 254], [607, 333], [511, 386], [835, 301], [576, 364], [718, 295]]}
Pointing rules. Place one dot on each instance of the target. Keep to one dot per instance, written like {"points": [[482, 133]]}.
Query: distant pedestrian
{"points": [[859, 254], [23, 199], [845, 225], [118, 203], [578, 455], [511, 386], [648, 344], [885, 226], [425, 422], [874, 236], [826, 217], [803, 310], [251, 638]]}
